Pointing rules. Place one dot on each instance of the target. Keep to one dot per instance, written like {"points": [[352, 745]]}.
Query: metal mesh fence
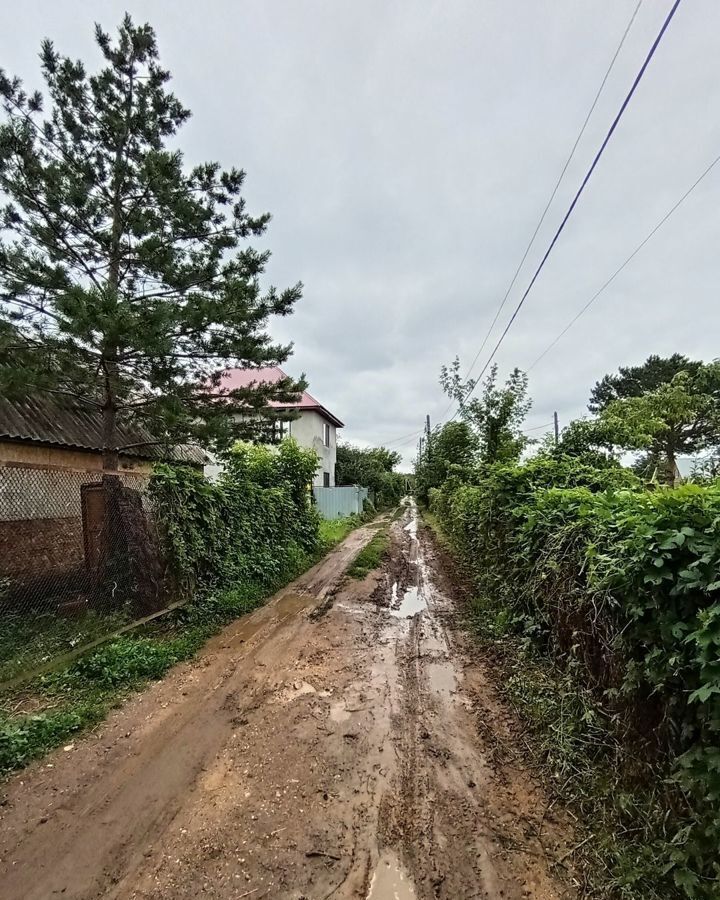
{"points": [[79, 560]]}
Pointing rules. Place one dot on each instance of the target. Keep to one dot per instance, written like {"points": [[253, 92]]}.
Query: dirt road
{"points": [[341, 742]]}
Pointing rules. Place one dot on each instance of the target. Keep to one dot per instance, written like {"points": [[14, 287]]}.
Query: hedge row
{"points": [[246, 527], [621, 587]]}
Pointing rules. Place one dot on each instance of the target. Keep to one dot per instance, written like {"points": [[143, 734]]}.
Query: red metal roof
{"points": [[242, 378]]}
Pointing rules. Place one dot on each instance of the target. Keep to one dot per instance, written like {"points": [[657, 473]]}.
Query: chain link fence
{"points": [[80, 560]]}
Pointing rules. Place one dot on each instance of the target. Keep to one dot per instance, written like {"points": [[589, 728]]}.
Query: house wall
{"points": [[308, 432], [31, 548], [15, 453]]}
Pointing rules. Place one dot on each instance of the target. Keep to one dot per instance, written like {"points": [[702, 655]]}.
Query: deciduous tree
{"points": [[496, 415], [633, 381], [451, 447], [373, 468], [679, 418]]}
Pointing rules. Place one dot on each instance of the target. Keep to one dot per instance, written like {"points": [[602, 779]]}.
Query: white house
{"points": [[315, 428]]}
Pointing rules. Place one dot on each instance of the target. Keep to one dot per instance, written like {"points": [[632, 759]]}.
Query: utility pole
{"points": [[427, 434], [557, 428]]}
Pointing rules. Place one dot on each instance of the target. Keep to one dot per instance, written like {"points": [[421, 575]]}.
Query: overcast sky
{"points": [[406, 150]]}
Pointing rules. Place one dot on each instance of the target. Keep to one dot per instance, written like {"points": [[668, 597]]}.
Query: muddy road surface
{"points": [[343, 741]]}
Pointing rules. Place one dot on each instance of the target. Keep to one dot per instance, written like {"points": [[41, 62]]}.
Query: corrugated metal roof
{"points": [[45, 419], [242, 378]]}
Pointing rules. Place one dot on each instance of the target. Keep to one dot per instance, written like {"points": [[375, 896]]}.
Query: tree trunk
{"points": [[110, 366], [111, 460], [671, 464]]}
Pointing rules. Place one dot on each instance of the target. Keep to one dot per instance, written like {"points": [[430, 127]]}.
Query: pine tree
{"points": [[126, 283], [634, 381]]}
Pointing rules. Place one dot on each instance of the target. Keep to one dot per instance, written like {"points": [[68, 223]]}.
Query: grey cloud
{"points": [[406, 150]]}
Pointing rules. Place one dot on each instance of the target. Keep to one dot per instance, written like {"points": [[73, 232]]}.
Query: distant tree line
{"points": [[373, 468]]}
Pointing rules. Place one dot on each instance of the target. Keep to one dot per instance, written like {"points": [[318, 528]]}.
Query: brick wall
{"points": [[36, 548]]}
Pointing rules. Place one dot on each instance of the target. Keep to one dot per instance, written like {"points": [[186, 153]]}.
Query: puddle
{"points": [[413, 602], [245, 631], [291, 603], [285, 606], [390, 881], [412, 526]]}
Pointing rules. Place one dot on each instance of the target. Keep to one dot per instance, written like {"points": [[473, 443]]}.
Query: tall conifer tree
{"points": [[126, 281]]}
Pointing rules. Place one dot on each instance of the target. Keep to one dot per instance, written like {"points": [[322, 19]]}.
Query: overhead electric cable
{"points": [[402, 437], [552, 196], [629, 258], [586, 179], [555, 188], [537, 427]]}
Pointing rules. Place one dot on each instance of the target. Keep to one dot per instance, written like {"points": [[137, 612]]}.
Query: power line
{"points": [[580, 190], [537, 427], [554, 191], [402, 437], [622, 266]]}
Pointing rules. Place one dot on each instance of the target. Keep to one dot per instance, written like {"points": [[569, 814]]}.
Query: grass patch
{"points": [[371, 555], [67, 702], [333, 531], [620, 823], [27, 641], [53, 708]]}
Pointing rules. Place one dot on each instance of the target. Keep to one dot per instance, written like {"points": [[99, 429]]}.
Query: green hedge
{"points": [[621, 588], [246, 526]]}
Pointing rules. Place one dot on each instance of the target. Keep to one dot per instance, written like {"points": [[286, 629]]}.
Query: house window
{"points": [[278, 431], [326, 479], [326, 435]]}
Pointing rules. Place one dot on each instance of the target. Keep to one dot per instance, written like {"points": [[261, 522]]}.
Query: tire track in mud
{"points": [[441, 812]]}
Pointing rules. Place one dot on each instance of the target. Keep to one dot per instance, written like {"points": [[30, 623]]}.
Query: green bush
{"points": [[243, 527], [620, 587]]}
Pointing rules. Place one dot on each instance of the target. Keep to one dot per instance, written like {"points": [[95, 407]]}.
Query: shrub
{"points": [[244, 527], [621, 588]]}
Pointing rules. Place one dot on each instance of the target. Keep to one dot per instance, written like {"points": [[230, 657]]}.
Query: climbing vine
{"points": [[620, 588], [248, 526]]}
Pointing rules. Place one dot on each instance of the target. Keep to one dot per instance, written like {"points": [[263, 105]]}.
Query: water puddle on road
{"points": [[413, 602], [390, 881], [412, 526], [288, 605]]}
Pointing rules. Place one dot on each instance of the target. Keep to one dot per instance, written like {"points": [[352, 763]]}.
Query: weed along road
{"points": [[342, 741]]}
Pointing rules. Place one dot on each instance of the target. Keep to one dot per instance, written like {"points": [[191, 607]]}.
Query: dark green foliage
{"points": [[633, 381], [451, 447], [245, 526], [126, 282], [620, 588], [680, 417], [371, 467]]}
